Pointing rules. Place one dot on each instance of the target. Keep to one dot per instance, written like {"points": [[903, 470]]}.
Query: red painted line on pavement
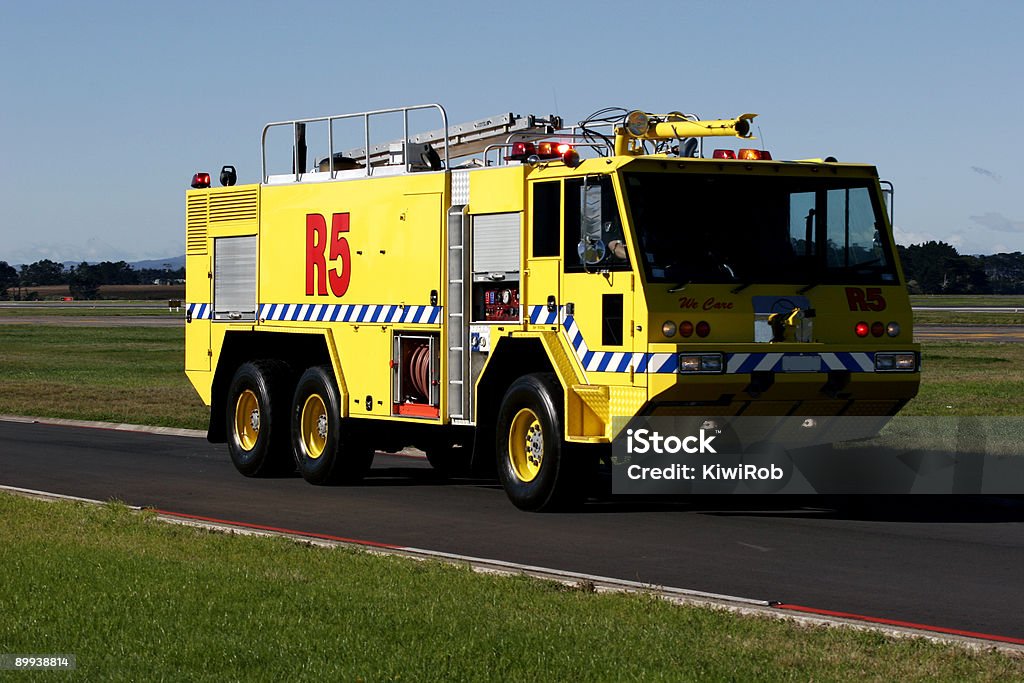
{"points": [[263, 527], [904, 624]]}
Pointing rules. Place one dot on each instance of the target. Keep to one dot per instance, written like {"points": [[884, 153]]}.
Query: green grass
{"points": [[114, 374], [967, 318], [78, 311], [970, 378], [135, 599], [134, 375], [999, 300]]}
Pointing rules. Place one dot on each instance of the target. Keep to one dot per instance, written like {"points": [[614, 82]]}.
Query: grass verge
{"points": [[1004, 300], [122, 374], [90, 311], [135, 599], [134, 375], [970, 378]]}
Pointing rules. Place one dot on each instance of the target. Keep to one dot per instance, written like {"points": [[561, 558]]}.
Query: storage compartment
{"points": [[416, 375]]}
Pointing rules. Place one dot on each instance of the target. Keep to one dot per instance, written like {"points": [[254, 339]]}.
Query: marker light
{"points": [[201, 180], [686, 329], [877, 329], [668, 328], [703, 329], [724, 154], [637, 123], [862, 329], [893, 329], [754, 155]]}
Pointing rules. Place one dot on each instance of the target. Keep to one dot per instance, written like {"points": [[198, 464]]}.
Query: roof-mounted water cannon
{"points": [[638, 126]]}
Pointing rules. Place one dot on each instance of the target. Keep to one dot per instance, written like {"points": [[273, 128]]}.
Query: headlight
{"points": [[895, 362], [701, 363]]}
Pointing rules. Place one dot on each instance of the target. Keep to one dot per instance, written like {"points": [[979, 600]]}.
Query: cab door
{"points": [[543, 256], [598, 284]]}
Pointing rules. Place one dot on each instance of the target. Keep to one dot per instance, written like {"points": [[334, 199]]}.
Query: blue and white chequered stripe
{"points": [[336, 313], [667, 363], [350, 313], [198, 311]]}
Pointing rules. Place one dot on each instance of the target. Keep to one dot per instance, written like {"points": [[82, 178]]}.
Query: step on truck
{"points": [[495, 293]]}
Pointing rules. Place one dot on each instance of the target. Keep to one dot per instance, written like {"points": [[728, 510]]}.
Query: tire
{"points": [[531, 454], [447, 459], [257, 419], [325, 450]]}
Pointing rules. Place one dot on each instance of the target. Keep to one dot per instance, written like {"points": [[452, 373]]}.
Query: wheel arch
{"points": [[512, 358], [298, 350]]}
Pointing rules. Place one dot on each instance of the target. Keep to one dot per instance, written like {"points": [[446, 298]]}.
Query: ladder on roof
{"points": [[467, 138]]}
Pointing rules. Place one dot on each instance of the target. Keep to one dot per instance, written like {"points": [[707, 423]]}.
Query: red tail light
{"points": [[862, 329], [877, 329], [703, 329], [686, 329]]}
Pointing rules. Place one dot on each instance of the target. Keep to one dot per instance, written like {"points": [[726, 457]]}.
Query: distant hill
{"points": [[174, 263], [160, 263]]}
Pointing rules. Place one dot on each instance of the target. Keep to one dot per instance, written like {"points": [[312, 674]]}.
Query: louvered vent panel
{"points": [[196, 216], [239, 206]]}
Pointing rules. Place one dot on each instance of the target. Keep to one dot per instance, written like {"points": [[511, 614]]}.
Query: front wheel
{"points": [[325, 452], [531, 454]]}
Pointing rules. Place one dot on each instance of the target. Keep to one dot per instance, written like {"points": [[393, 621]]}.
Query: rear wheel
{"points": [[531, 454], [448, 457], [256, 415], [325, 449]]}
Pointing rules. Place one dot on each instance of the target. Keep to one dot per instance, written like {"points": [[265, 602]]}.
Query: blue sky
{"points": [[109, 107]]}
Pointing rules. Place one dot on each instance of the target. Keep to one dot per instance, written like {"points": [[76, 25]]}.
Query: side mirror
{"points": [[591, 247]]}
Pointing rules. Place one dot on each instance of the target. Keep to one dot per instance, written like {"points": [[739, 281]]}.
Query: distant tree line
{"points": [[937, 268], [83, 280], [930, 268]]}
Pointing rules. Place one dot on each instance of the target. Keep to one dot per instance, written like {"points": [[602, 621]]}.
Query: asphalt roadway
{"points": [[944, 562]]}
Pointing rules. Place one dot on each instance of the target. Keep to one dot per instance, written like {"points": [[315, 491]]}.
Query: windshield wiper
{"points": [[741, 287], [807, 288]]}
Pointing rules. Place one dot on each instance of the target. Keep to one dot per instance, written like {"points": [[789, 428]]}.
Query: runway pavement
{"points": [[946, 562]]}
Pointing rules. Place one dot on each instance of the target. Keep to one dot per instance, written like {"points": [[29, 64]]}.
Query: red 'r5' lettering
{"points": [[869, 299], [317, 240]]}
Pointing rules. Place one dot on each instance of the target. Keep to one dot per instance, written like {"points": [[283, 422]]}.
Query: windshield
{"points": [[752, 229]]}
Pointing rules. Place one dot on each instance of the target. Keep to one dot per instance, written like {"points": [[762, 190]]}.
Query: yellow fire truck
{"points": [[497, 292]]}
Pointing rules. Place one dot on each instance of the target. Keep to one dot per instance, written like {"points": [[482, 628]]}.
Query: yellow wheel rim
{"points": [[247, 420], [314, 426], [526, 445]]}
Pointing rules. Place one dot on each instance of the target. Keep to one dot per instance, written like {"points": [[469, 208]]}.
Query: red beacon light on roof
{"points": [[200, 181], [521, 151], [548, 151], [744, 154], [754, 155]]}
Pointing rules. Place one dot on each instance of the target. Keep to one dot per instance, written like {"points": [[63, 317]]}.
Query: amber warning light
{"points": [[743, 154]]}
